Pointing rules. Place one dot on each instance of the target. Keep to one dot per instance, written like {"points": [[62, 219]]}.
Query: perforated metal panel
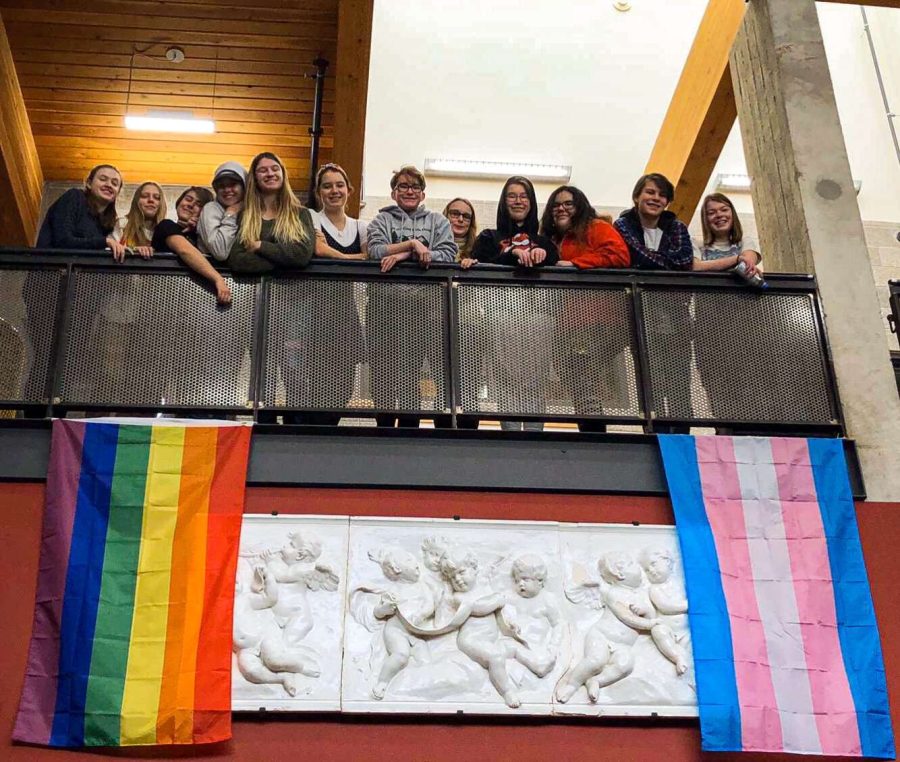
{"points": [[736, 356], [534, 350], [156, 339], [28, 303], [405, 326], [314, 343]]}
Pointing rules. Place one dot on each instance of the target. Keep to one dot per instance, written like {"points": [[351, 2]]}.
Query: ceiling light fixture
{"points": [[170, 122], [498, 170], [742, 183]]}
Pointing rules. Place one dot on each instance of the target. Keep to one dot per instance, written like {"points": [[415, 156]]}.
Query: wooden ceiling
{"points": [[82, 64]]}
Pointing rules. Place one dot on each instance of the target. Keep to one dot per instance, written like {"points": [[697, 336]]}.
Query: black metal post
{"points": [[315, 131]]}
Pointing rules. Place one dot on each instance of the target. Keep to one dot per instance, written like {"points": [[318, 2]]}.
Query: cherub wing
{"points": [[588, 594], [323, 577]]}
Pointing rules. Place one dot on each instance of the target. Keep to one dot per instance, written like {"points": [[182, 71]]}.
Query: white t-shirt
{"points": [[652, 237], [344, 237], [720, 250]]}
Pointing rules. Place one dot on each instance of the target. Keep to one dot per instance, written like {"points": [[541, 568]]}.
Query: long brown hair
{"points": [[134, 232], [735, 235], [108, 217], [469, 241], [288, 228], [331, 167], [582, 217]]}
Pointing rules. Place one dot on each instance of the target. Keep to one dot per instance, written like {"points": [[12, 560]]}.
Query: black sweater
{"points": [[70, 224], [492, 248]]}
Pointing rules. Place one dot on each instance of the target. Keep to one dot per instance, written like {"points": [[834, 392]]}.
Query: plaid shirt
{"points": [[675, 249]]}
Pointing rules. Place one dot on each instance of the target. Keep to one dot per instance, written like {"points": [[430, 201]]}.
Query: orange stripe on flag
{"points": [[175, 723], [212, 714]]}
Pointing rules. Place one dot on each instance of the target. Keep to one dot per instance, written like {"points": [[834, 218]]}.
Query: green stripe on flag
{"points": [[112, 635]]}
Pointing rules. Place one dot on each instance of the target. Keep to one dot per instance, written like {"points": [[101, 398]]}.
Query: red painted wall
{"points": [[329, 738]]}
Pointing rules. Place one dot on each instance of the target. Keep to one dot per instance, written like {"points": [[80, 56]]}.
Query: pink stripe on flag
{"points": [[811, 571], [38, 705], [760, 723]]}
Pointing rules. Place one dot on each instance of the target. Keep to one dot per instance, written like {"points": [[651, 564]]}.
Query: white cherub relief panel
{"points": [[628, 614], [446, 616], [290, 593]]}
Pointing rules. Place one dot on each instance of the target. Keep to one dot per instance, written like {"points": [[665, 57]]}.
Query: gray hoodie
{"points": [[216, 229], [393, 225]]}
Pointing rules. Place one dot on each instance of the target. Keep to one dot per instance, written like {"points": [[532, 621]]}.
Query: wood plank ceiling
{"points": [[82, 65]]}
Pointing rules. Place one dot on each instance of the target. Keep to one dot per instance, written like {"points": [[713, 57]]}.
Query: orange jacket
{"points": [[604, 248]]}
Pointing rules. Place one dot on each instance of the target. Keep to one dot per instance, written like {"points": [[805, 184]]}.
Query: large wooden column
{"points": [[702, 112], [351, 90], [21, 180], [808, 217]]}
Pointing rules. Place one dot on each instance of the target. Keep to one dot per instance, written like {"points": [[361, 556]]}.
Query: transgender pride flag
{"points": [[786, 647]]}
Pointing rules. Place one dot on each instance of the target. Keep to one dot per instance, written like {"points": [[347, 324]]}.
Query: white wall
{"points": [[577, 82]]}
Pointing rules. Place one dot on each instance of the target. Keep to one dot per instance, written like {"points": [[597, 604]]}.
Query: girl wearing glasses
{"points": [[461, 215], [594, 332]]}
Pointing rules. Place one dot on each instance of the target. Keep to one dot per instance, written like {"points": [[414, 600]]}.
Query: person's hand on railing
{"points": [[118, 249], [529, 257], [422, 252], [750, 259], [223, 291], [144, 252], [467, 262], [387, 264], [564, 263]]}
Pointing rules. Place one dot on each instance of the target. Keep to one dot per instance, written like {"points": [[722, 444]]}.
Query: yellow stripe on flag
{"points": [[176, 704], [143, 676]]}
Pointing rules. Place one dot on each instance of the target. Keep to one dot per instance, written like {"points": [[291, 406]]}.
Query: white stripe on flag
{"points": [[773, 581]]}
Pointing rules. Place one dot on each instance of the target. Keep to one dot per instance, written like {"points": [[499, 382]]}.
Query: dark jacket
{"points": [[71, 224], [495, 246], [675, 249], [272, 254]]}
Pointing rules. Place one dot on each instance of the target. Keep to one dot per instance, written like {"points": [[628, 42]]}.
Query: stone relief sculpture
{"points": [[426, 615], [466, 625], [273, 618]]}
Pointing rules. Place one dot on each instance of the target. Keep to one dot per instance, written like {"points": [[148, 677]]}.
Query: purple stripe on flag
{"points": [[810, 568], [760, 723], [775, 596], [36, 709]]}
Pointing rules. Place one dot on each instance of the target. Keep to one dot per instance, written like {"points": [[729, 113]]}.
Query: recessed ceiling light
{"points": [[622, 7]]}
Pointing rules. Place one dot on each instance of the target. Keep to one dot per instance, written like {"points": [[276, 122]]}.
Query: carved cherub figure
{"points": [[626, 613], [475, 614], [295, 566], [408, 601], [666, 597], [532, 616], [261, 657]]}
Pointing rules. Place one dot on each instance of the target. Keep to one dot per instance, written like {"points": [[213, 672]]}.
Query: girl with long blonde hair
{"points": [[148, 209], [275, 230]]}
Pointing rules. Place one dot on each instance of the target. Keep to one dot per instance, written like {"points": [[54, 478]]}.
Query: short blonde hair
{"points": [[410, 171]]}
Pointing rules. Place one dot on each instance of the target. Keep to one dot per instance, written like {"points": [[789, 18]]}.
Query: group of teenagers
{"points": [[253, 222]]}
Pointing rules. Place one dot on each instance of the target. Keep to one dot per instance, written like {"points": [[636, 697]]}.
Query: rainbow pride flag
{"points": [[786, 647], [131, 640]]}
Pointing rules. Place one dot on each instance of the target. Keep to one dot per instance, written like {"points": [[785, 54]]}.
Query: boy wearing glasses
{"points": [[404, 325], [407, 230]]}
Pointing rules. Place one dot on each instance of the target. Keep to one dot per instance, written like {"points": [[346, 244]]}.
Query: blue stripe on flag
{"points": [[720, 714], [857, 628], [83, 574]]}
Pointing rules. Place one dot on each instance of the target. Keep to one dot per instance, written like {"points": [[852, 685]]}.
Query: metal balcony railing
{"points": [[79, 332]]}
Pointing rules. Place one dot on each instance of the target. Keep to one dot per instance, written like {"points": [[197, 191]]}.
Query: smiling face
{"points": [[269, 175], [229, 191], [563, 210], [188, 209], [149, 200], [719, 218], [518, 202], [104, 186], [333, 191], [463, 579], [408, 193], [460, 216], [650, 202]]}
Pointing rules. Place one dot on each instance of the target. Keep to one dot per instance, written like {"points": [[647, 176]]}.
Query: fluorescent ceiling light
{"points": [[499, 170], [170, 123], [741, 183]]}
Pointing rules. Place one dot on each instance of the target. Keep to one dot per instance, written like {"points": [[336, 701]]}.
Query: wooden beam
{"points": [[702, 111], [351, 90], [21, 180]]}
